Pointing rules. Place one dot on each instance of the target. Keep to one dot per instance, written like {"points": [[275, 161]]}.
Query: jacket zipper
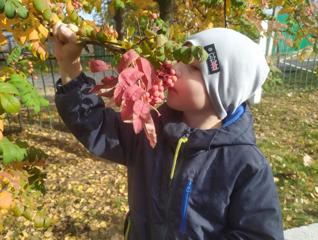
{"points": [[173, 171], [185, 203]]}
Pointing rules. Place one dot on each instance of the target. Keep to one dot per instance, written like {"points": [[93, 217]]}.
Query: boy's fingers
{"points": [[73, 27], [56, 27], [64, 33]]}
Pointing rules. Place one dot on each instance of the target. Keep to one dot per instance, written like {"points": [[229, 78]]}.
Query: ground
{"points": [[88, 195]]}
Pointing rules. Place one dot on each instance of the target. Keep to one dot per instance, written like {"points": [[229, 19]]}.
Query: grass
{"points": [[287, 132]]}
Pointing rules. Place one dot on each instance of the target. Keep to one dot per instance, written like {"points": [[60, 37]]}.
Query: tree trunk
{"points": [[119, 22], [166, 9]]}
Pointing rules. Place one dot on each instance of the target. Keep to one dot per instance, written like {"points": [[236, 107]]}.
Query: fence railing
{"points": [[295, 74], [44, 80]]}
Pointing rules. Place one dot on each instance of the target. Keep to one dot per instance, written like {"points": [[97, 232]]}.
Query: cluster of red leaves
{"points": [[137, 90]]}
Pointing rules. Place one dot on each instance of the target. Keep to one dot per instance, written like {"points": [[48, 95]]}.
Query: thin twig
{"points": [[225, 16]]}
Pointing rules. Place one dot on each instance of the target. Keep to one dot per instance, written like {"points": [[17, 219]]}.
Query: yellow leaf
{"points": [[6, 200], [4, 21], [3, 40], [44, 32], [22, 39], [54, 19], [142, 4], [34, 35], [6, 71], [210, 25], [20, 36], [38, 50]]}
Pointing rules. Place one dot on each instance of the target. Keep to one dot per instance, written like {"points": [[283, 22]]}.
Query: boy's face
{"points": [[189, 92]]}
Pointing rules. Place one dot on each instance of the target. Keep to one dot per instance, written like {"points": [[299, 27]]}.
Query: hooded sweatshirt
{"points": [[234, 71]]}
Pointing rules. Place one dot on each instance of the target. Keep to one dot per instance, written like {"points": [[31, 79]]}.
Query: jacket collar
{"points": [[239, 132]]}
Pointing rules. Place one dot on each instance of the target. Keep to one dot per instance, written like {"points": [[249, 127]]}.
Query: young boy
{"points": [[206, 178]]}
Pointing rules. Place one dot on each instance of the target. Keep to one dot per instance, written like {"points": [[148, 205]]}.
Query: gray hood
{"points": [[235, 70]]}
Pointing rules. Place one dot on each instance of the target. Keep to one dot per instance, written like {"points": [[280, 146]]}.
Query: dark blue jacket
{"points": [[220, 187]]}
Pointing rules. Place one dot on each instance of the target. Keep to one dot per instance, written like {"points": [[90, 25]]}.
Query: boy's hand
{"points": [[67, 51]]}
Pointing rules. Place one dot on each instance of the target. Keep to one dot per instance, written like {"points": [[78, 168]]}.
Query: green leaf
{"points": [[183, 54], [10, 103], [41, 5], [177, 54], [14, 55], [199, 53], [8, 88], [160, 54], [9, 10], [119, 4], [28, 94], [187, 56], [22, 12], [2, 3], [161, 40], [47, 14], [11, 152], [143, 22], [149, 33], [169, 48], [130, 31]]}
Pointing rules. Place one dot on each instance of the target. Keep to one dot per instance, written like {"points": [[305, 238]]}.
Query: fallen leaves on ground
{"points": [[87, 195]]}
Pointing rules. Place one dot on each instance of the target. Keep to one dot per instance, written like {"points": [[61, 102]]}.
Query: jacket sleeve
{"points": [[98, 128], [254, 212]]}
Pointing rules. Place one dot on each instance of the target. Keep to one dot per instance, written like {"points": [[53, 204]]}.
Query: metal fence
{"points": [[44, 80], [294, 75]]}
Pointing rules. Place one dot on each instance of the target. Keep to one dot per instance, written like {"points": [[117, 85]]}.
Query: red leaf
{"points": [[118, 94], [108, 93], [141, 111], [127, 58], [96, 88], [142, 120], [150, 131], [133, 93], [98, 66], [126, 78], [129, 76], [126, 112], [137, 124], [109, 81], [145, 66]]}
